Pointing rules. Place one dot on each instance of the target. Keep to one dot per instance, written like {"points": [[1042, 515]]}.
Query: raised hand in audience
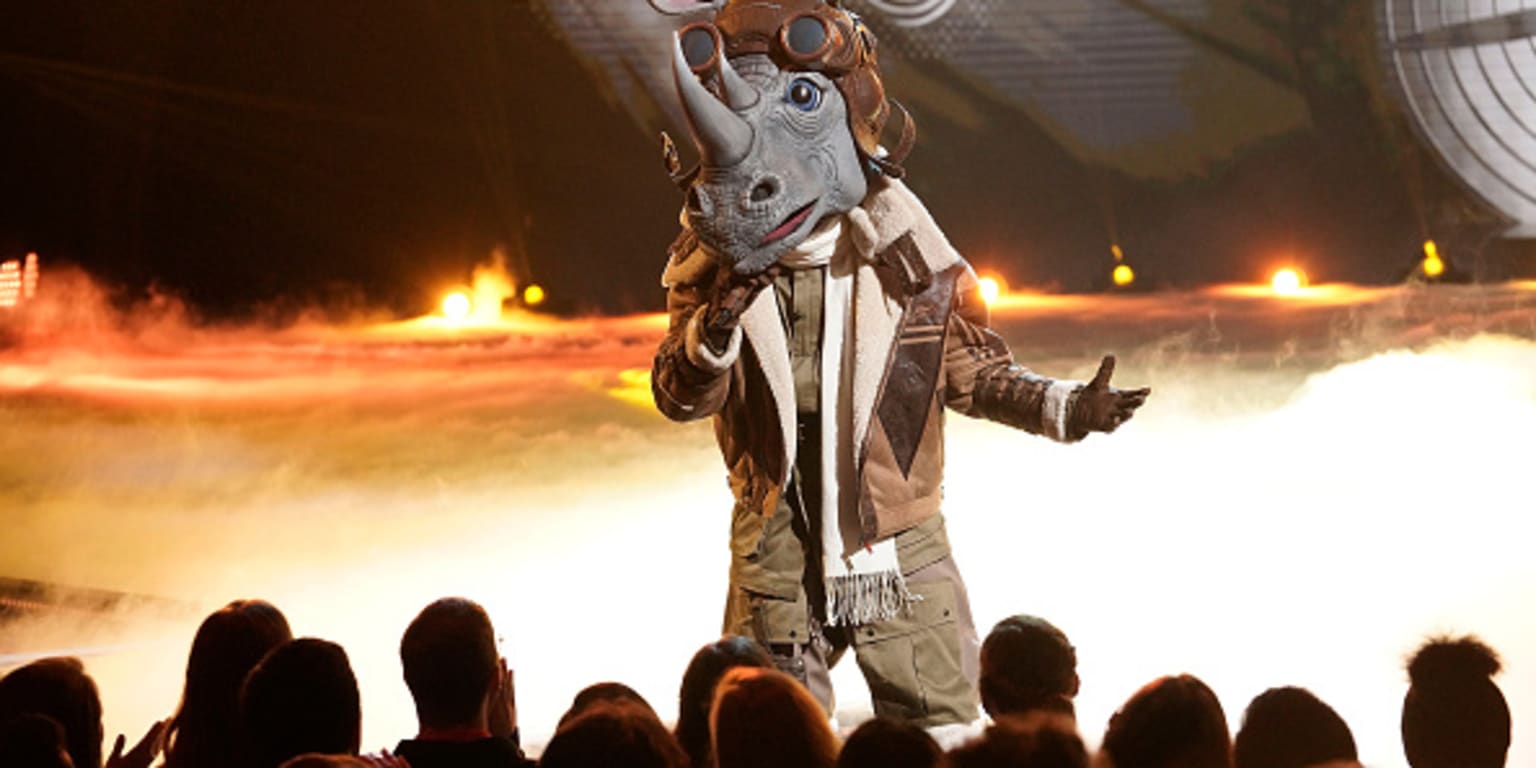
{"points": [[143, 753]]}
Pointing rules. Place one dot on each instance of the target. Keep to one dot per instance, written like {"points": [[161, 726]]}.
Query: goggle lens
{"points": [[700, 46], [805, 37]]}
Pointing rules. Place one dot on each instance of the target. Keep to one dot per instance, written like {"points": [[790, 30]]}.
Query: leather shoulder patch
{"points": [[911, 382], [902, 269]]}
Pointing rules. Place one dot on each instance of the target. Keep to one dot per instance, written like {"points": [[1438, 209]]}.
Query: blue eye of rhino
{"points": [[804, 94]]}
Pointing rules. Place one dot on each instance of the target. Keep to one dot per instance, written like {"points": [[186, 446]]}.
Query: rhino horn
{"points": [[724, 138]]}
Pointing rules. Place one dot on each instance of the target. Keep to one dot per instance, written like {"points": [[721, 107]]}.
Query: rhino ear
{"points": [[680, 7]]}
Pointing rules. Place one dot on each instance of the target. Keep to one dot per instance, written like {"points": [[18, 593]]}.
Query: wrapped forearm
{"points": [[683, 390], [1014, 395], [690, 375], [984, 381]]}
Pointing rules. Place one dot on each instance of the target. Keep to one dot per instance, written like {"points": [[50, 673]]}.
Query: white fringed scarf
{"points": [[863, 584]]}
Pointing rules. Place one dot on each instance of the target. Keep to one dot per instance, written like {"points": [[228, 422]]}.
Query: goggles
{"points": [[824, 40]]}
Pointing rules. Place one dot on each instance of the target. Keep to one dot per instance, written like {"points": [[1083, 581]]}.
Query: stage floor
{"points": [[1315, 485]]}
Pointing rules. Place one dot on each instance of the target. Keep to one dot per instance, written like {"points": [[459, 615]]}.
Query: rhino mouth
{"points": [[789, 224]]}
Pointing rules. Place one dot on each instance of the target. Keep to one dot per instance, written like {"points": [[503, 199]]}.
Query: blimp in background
{"points": [[1466, 74], [1201, 140]]}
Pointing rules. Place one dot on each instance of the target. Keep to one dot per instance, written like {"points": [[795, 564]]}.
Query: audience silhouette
{"points": [[254, 697], [697, 692], [58, 688], [204, 731], [466, 707], [1454, 716], [882, 742], [607, 692], [301, 698], [1172, 722], [1291, 728], [33, 741], [1027, 664], [1040, 739], [763, 718], [613, 733]]}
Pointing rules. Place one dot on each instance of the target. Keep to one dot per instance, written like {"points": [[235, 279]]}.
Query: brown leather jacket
{"points": [[920, 339]]}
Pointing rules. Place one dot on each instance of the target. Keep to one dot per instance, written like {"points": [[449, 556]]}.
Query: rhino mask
{"points": [[776, 153]]}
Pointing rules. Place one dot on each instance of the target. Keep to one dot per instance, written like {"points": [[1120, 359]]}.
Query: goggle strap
{"points": [[891, 165]]}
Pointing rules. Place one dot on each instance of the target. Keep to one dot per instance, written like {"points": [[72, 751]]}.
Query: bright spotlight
{"points": [[1433, 265], [456, 305], [991, 290], [1123, 275], [1287, 282], [533, 295]]}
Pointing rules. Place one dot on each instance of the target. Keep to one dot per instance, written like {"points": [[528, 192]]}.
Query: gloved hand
{"points": [[1102, 408], [731, 295]]}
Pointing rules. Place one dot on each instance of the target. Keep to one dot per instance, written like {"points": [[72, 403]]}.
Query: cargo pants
{"points": [[921, 666]]}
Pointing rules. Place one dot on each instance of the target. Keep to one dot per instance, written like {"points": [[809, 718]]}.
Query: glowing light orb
{"points": [[533, 295], [1287, 282], [991, 289], [1433, 265], [1123, 275], [456, 305]]}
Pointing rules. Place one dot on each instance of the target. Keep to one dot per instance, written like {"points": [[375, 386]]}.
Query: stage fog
{"points": [[1317, 483]]}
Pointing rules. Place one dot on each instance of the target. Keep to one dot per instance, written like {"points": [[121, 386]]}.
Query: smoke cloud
{"points": [[1315, 484]]}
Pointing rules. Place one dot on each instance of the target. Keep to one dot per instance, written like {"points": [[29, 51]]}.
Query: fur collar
{"points": [[889, 211]]}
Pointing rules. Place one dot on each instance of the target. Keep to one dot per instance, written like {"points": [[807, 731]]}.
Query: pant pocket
{"points": [[913, 662]]}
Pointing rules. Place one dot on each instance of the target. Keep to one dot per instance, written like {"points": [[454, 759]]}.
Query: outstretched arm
{"points": [[983, 380]]}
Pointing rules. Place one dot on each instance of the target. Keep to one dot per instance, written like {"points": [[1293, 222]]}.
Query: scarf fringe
{"points": [[862, 598]]}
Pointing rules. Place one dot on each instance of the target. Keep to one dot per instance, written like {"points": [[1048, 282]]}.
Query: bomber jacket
{"points": [[920, 340]]}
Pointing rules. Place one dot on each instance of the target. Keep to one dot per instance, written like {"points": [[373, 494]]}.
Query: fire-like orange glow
{"points": [[634, 387], [1288, 281], [533, 295], [991, 289], [406, 462], [1124, 275], [457, 306]]}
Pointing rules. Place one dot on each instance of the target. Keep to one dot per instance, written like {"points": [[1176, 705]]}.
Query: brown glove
{"points": [[1102, 408], [732, 295]]}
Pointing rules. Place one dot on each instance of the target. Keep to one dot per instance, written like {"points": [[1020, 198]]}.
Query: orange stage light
{"points": [[1288, 281], [991, 289], [457, 306]]}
